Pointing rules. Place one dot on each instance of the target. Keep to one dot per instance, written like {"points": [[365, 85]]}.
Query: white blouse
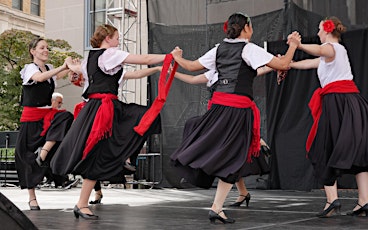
{"points": [[110, 62]]}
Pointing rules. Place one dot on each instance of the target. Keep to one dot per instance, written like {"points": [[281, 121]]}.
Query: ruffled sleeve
{"points": [[110, 62]]}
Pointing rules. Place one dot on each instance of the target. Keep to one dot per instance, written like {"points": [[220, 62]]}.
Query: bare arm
{"points": [[318, 50], [198, 79], [305, 64], [144, 59], [186, 64], [282, 63], [60, 72], [142, 73], [264, 70]]}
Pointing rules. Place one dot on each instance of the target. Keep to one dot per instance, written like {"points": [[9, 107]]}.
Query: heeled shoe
{"points": [[33, 207], [334, 207], [362, 211], [98, 201], [213, 216], [77, 213], [238, 203]]}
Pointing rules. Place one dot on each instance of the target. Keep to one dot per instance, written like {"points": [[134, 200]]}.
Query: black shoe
{"points": [[246, 198], [334, 207], [129, 166], [213, 216], [98, 201], [33, 207], [77, 213], [363, 211], [39, 160]]}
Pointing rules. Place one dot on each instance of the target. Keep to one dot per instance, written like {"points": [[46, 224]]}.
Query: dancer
{"points": [[337, 143], [210, 78], [228, 133], [99, 142], [41, 126], [127, 164]]}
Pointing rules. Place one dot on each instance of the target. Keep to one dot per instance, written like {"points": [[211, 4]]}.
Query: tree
{"points": [[13, 56]]}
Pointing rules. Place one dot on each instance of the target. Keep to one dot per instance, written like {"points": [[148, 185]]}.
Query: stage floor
{"points": [[186, 209]]}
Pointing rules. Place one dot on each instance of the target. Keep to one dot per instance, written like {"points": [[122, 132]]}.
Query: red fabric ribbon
{"points": [[239, 101], [102, 124], [31, 114], [163, 90], [315, 104]]}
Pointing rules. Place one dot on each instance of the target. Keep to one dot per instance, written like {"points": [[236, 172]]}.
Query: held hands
{"points": [[177, 53], [294, 39]]}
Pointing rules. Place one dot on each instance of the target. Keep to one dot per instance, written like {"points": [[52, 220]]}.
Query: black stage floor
{"points": [[268, 209]]}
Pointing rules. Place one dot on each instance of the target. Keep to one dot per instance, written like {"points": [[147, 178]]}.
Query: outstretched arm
{"points": [[263, 70], [60, 72], [144, 59], [198, 79], [282, 63], [305, 64], [142, 73], [326, 50], [186, 64]]}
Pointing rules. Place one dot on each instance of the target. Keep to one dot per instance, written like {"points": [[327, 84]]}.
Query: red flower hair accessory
{"points": [[225, 26], [328, 26]]}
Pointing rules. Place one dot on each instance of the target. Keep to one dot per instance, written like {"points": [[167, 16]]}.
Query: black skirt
{"points": [[341, 143], [215, 145], [106, 158], [29, 139]]}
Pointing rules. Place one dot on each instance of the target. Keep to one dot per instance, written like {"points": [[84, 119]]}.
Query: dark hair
{"points": [[33, 44], [339, 27], [236, 23], [101, 33]]}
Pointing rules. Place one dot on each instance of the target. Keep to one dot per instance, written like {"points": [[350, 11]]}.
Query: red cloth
{"points": [[77, 108], [315, 104], [163, 91], [30, 114], [239, 101], [102, 124]]}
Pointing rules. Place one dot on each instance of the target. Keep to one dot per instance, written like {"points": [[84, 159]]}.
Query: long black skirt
{"points": [[29, 139], [106, 158], [341, 143], [215, 145]]}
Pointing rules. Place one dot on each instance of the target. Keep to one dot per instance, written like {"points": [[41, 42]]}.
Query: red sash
{"points": [[163, 91], [31, 114], [102, 124], [315, 104], [239, 101]]}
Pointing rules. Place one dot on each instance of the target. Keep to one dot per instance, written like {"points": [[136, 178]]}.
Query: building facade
{"points": [[23, 15]]}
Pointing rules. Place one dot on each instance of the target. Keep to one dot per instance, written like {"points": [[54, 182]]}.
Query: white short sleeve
{"points": [[29, 70], [110, 62], [208, 60], [256, 56]]}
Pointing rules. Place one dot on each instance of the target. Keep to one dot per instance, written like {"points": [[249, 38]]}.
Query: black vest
{"points": [[234, 75], [99, 82], [38, 94]]}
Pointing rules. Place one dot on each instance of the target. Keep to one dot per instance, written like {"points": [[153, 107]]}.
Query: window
{"points": [[35, 7], [17, 4], [95, 14]]}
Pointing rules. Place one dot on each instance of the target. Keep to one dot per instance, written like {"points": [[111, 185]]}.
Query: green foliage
{"points": [[13, 56]]}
